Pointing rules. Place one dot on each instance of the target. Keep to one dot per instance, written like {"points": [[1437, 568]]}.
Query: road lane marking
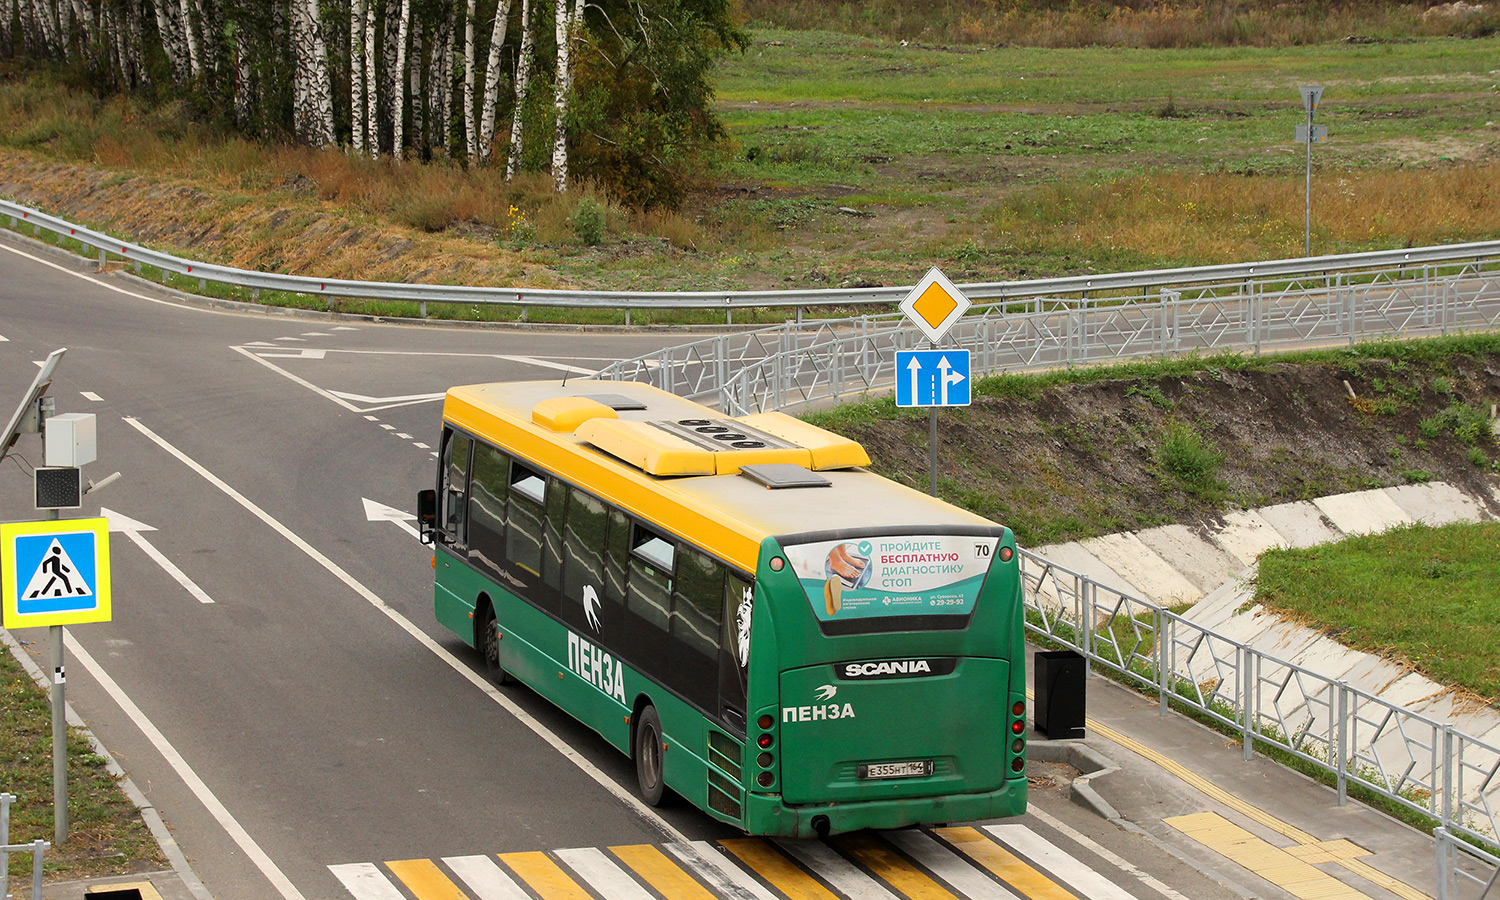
{"points": [[603, 874], [485, 878], [132, 530], [648, 815], [426, 880], [661, 873], [1048, 856], [947, 865], [1005, 865], [365, 882], [891, 867], [184, 771], [544, 876]]}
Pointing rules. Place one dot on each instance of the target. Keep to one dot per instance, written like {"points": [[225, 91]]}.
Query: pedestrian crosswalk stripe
{"points": [[728, 879], [425, 879], [1049, 857], [661, 873], [544, 876], [777, 869], [960, 875], [998, 862], [1006, 865], [484, 877]]}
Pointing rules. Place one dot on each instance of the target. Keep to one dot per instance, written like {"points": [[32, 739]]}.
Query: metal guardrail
{"points": [[799, 363], [108, 246], [35, 848], [1355, 737]]}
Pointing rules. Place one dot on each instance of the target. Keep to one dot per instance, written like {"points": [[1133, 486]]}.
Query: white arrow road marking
{"points": [[407, 398], [132, 529], [379, 512], [304, 353]]}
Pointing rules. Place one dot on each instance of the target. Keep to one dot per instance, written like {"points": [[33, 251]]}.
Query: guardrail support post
{"points": [[1443, 847], [5, 801], [1341, 741], [1164, 663], [1248, 659], [102, 260], [1451, 785]]}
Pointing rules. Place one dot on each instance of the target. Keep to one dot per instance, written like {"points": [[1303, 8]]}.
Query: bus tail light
{"points": [[1006, 554], [1018, 740], [765, 740]]}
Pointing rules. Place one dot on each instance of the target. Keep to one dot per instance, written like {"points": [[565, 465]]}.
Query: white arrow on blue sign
{"points": [[932, 378]]}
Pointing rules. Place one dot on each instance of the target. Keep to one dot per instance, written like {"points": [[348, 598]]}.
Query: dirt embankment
{"points": [[1116, 455]]}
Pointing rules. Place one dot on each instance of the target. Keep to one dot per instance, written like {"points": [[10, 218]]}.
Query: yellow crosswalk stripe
{"points": [[891, 866], [776, 869], [426, 880], [661, 873], [544, 876], [1006, 865]]}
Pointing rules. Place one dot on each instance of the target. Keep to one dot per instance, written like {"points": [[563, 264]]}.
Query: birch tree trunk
{"points": [[398, 102], [318, 99], [190, 37], [523, 87], [357, 15], [471, 140], [7, 37], [242, 85], [492, 81], [372, 108], [166, 27], [566, 29]]}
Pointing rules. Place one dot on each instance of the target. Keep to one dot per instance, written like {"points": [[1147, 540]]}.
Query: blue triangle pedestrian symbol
{"points": [[56, 577]]}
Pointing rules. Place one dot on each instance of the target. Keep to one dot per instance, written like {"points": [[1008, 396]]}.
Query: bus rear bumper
{"points": [[767, 814]]}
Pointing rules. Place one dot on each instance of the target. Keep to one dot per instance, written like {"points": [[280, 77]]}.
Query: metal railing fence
{"points": [[1356, 738], [1130, 284], [806, 362], [36, 848]]}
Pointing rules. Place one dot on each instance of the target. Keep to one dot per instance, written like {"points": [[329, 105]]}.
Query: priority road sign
{"points": [[932, 378], [55, 572], [935, 304]]}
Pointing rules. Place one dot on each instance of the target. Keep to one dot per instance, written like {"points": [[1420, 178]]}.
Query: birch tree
{"points": [[358, 10], [523, 87], [566, 29], [398, 100], [492, 80], [471, 139]]}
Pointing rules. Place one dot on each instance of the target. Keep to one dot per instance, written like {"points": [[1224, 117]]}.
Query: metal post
{"points": [[1443, 847], [1341, 742], [1307, 214], [1164, 622], [932, 447], [59, 738], [1451, 787], [5, 801], [1247, 703]]}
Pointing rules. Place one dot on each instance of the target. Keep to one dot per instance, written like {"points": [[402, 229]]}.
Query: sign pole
{"points": [[932, 444], [1307, 207], [59, 739]]}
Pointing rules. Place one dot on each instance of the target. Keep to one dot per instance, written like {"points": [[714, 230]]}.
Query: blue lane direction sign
{"points": [[932, 378], [55, 572]]}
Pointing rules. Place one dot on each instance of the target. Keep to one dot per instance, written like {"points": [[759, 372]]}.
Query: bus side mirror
{"points": [[427, 515]]}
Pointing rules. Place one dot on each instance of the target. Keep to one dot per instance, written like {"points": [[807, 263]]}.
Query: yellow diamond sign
{"points": [[934, 305]]}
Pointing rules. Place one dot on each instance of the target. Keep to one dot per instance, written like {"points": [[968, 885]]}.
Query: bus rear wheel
{"points": [[648, 757], [489, 646]]}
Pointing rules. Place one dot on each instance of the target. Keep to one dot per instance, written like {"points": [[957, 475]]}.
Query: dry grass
{"points": [[1228, 217]]}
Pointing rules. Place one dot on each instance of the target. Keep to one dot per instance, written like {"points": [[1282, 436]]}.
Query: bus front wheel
{"points": [[648, 757], [489, 646]]}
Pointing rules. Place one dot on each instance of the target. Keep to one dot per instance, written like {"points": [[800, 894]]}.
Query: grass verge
{"points": [[106, 835]]}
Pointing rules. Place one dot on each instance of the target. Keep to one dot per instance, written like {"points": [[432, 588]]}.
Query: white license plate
{"points": [[912, 769]]}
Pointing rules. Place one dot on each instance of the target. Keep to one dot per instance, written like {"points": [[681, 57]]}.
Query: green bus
{"points": [[794, 644]]}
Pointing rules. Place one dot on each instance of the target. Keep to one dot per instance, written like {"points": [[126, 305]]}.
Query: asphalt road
{"points": [[285, 698]]}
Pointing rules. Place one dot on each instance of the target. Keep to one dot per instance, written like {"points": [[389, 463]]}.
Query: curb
{"points": [[149, 815], [1090, 764]]}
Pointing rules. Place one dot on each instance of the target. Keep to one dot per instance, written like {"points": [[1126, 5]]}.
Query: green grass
{"points": [[1419, 594], [106, 835]]}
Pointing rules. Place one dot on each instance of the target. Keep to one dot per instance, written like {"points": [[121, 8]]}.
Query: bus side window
{"points": [[648, 599], [454, 498], [523, 518], [616, 557], [734, 655], [697, 605], [583, 547], [557, 514], [488, 486]]}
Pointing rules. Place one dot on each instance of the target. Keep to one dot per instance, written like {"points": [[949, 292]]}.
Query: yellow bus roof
{"points": [[609, 437]]}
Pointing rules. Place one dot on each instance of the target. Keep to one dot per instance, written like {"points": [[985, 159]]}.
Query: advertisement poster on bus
{"points": [[909, 575]]}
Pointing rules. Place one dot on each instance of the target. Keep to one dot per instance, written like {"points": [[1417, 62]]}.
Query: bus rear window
{"points": [[929, 581]]}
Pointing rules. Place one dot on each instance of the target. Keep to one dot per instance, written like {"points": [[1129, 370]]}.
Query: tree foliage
{"points": [[628, 109]]}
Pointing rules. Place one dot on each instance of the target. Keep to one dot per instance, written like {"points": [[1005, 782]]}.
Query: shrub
{"points": [[587, 222], [1183, 452]]}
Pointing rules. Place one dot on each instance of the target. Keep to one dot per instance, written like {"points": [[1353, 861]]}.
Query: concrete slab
{"points": [[1146, 569], [1363, 512], [1245, 535], [1437, 503], [1195, 558], [1076, 557], [1224, 603], [1300, 524]]}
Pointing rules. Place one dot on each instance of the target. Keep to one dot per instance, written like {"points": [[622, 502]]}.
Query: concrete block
{"points": [[1363, 512], [1245, 535], [1161, 583], [1300, 524], [1200, 561], [1436, 503], [1076, 557]]}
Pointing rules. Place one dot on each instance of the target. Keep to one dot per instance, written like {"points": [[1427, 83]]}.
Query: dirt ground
{"points": [[1080, 460]]}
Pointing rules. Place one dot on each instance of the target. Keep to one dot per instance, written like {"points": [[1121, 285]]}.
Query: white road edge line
{"points": [[92, 280], [1108, 855], [186, 773], [479, 681]]}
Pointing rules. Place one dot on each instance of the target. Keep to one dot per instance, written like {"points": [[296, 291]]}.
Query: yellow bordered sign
{"points": [[55, 572]]}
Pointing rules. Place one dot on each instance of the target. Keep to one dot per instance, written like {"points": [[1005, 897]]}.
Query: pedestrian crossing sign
{"points": [[55, 572]]}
